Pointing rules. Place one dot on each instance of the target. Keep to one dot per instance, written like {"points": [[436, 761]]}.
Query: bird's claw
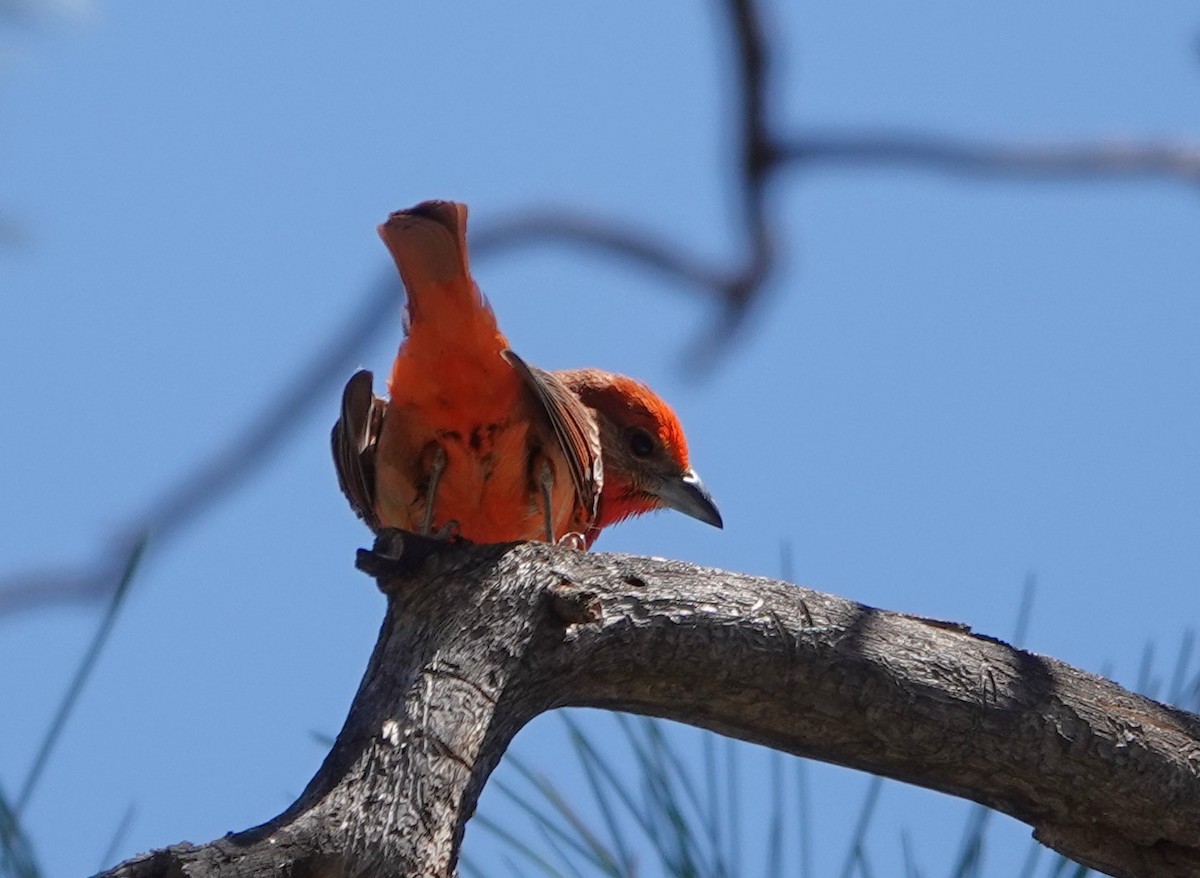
{"points": [[399, 553], [573, 540], [450, 532]]}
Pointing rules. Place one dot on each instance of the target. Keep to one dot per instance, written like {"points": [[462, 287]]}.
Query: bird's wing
{"points": [[575, 426], [355, 436]]}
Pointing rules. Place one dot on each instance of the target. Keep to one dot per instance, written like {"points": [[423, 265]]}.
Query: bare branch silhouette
{"points": [[736, 289], [1111, 160], [181, 504]]}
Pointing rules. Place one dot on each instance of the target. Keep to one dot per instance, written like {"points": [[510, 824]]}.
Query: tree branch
{"points": [[1112, 159], [479, 640]]}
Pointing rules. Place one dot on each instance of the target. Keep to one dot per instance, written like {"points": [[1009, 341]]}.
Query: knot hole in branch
{"points": [[574, 604]]}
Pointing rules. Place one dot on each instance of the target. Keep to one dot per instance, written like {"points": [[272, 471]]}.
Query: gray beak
{"points": [[688, 495]]}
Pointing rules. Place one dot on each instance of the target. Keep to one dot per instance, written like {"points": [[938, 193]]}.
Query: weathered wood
{"points": [[479, 640]]}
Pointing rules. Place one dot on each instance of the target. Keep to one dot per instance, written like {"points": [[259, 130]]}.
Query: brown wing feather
{"points": [[354, 438], [575, 427]]}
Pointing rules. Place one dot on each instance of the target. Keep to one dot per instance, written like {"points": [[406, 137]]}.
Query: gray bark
{"points": [[479, 640]]}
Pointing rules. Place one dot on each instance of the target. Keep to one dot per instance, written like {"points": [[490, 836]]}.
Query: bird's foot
{"points": [[397, 554], [573, 540], [450, 532]]}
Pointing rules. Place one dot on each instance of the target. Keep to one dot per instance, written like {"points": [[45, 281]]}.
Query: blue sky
{"points": [[949, 383]]}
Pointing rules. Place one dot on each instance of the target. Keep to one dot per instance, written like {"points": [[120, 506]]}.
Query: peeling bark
{"points": [[478, 640]]}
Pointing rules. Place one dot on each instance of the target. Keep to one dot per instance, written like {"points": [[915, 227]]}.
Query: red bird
{"points": [[474, 439]]}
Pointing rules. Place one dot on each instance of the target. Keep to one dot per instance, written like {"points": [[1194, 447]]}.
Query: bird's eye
{"points": [[640, 443]]}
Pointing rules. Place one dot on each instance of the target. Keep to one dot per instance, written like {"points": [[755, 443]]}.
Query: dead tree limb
{"points": [[479, 640]]}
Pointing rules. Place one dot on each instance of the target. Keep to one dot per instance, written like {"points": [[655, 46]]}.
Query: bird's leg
{"points": [[437, 466], [546, 486], [573, 540], [398, 554], [546, 481]]}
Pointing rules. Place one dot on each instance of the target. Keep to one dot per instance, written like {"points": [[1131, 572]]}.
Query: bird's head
{"points": [[644, 451]]}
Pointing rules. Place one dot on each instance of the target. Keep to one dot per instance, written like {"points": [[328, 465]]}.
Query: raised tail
{"points": [[429, 245]]}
